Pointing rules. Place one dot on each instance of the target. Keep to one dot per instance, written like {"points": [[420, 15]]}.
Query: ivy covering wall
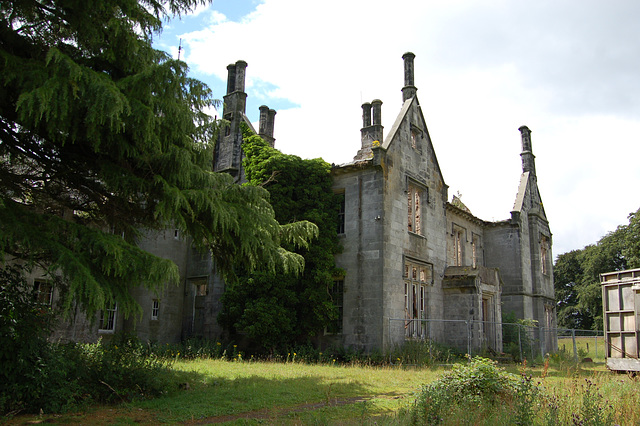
{"points": [[277, 310]]}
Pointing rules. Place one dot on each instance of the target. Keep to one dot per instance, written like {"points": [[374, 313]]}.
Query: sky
{"points": [[567, 69]]}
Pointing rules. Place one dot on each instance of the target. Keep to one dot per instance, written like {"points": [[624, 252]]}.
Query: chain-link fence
{"points": [[517, 340]]}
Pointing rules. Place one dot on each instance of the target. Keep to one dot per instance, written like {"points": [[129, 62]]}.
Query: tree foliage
{"points": [[24, 354], [278, 309], [102, 136], [577, 274]]}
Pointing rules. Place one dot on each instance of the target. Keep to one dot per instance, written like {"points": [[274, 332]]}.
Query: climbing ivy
{"points": [[275, 310]]}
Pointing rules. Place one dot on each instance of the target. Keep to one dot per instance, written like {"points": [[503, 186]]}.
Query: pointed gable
{"points": [[410, 129], [528, 197]]}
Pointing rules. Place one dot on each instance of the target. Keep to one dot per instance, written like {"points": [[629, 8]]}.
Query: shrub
{"points": [[53, 378], [475, 385], [121, 370], [33, 374]]}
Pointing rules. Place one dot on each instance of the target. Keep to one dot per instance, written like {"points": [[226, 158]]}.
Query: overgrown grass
{"points": [[480, 392], [305, 386], [222, 388]]}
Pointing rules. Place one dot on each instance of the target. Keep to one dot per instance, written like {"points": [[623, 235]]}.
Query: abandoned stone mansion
{"points": [[417, 265]]}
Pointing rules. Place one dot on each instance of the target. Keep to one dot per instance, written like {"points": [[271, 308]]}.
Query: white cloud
{"points": [[567, 70], [199, 9]]}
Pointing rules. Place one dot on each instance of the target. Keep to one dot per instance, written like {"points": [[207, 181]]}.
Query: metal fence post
{"points": [[532, 343], [520, 342], [390, 342], [468, 337]]}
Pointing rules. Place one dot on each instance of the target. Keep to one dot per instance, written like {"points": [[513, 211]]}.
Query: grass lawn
{"points": [[291, 391], [215, 391], [588, 347]]}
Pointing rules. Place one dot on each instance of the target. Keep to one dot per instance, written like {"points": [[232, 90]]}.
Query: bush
{"points": [[121, 370], [476, 385], [38, 376], [33, 373]]}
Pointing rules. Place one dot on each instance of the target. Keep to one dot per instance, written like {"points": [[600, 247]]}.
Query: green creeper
{"points": [[280, 309]]}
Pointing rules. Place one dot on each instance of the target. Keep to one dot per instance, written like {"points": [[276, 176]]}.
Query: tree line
{"points": [[576, 274]]}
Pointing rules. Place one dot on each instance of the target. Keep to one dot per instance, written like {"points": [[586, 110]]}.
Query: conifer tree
{"points": [[102, 136]]}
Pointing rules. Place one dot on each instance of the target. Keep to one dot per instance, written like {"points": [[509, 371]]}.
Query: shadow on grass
{"points": [[199, 396], [194, 396]]}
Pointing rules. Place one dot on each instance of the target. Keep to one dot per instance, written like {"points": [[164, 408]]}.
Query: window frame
{"points": [[545, 247], [417, 277], [417, 199], [155, 309], [475, 250], [111, 315], [336, 292], [200, 286], [459, 234], [341, 213], [44, 298]]}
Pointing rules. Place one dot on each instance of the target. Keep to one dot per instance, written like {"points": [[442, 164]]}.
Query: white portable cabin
{"points": [[621, 318]]}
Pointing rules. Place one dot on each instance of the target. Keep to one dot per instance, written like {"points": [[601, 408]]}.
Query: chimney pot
{"points": [[528, 159], [241, 67], [262, 126], [231, 78], [409, 89], [377, 111], [270, 123], [408, 68], [366, 114]]}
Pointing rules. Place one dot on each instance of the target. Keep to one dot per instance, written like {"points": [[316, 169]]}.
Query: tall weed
{"points": [[480, 384], [120, 370]]}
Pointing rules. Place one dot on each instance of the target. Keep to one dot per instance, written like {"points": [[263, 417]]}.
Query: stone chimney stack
{"points": [[265, 129], [235, 100], [371, 132], [228, 150], [528, 159], [409, 90]]}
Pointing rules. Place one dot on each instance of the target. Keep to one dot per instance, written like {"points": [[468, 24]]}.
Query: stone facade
{"points": [[416, 265]]}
